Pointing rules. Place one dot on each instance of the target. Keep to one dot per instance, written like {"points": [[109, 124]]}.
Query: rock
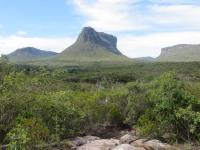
{"points": [[90, 138], [127, 147], [103, 144], [152, 144], [128, 138], [78, 141], [158, 145], [139, 142]]}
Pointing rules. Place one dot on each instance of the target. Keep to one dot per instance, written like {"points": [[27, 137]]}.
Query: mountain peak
{"points": [[89, 35], [92, 46]]}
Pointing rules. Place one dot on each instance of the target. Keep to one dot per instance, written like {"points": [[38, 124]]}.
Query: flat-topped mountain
{"points": [[92, 46], [105, 40], [180, 53], [29, 54]]}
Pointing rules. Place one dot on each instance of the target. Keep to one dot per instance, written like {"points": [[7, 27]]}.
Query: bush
{"points": [[28, 133], [172, 110], [18, 138]]}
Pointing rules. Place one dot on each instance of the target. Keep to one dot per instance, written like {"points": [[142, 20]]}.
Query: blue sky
{"points": [[143, 27], [39, 17]]}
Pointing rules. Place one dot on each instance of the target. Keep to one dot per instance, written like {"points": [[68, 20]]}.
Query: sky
{"points": [[142, 27]]}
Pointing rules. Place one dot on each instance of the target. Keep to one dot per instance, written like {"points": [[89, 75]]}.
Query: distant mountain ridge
{"points": [[93, 46], [180, 53], [144, 58], [29, 54]]}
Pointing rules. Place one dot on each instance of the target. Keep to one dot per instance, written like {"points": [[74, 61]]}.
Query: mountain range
{"points": [[90, 46], [93, 46]]}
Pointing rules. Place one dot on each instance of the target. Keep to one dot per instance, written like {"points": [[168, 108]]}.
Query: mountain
{"points": [[29, 54], [92, 46], [144, 59], [180, 53]]}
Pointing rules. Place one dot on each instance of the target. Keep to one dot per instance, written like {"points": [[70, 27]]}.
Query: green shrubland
{"points": [[44, 105]]}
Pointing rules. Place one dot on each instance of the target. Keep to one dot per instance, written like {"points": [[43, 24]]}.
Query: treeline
{"points": [[43, 105]]}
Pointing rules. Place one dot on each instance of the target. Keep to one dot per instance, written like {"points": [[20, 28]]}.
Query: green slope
{"points": [[88, 52]]}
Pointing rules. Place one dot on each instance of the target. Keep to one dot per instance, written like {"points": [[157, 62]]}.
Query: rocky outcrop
{"points": [[128, 141]]}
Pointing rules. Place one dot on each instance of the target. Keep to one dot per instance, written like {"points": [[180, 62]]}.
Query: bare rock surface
{"points": [[103, 144], [78, 141], [127, 147], [128, 138], [128, 141], [152, 145]]}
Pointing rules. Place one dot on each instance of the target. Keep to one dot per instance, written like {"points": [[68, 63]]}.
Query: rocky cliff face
{"points": [[107, 41]]}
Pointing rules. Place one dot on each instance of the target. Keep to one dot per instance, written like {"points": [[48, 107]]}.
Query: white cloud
{"points": [[150, 45], [184, 16], [175, 1], [126, 15], [21, 33], [110, 15], [10, 43]]}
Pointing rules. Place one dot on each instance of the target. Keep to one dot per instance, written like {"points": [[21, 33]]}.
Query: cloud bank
{"points": [[126, 15]]}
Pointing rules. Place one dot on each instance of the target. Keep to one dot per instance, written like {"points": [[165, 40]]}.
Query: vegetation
{"points": [[44, 105]]}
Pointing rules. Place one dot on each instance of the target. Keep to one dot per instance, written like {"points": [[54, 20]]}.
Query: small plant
{"points": [[18, 138]]}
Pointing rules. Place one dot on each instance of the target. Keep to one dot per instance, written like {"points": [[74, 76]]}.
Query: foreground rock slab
{"points": [[127, 147], [152, 145], [78, 141], [128, 138], [103, 144]]}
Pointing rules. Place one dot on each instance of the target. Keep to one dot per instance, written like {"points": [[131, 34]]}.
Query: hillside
{"points": [[92, 46], [180, 53], [29, 54]]}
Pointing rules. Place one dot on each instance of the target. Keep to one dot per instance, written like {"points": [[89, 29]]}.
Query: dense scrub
{"points": [[44, 105]]}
